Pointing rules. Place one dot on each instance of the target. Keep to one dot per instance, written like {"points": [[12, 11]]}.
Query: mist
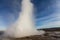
{"points": [[24, 26]]}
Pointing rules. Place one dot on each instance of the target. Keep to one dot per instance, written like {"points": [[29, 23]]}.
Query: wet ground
{"points": [[49, 35], [36, 37]]}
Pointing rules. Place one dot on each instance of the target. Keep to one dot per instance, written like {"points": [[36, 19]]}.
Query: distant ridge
{"points": [[51, 29]]}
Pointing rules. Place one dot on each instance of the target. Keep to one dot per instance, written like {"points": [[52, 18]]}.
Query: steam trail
{"points": [[24, 26]]}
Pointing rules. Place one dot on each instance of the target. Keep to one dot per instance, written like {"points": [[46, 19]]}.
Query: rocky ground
{"points": [[49, 35], [36, 37]]}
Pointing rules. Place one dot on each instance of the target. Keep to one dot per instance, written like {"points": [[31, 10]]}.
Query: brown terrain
{"points": [[51, 34]]}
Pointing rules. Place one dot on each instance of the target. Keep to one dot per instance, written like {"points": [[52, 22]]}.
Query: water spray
{"points": [[24, 26]]}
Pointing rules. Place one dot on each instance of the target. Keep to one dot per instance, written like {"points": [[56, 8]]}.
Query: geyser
{"points": [[24, 26]]}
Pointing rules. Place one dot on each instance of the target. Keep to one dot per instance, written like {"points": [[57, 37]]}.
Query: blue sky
{"points": [[46, 12]]}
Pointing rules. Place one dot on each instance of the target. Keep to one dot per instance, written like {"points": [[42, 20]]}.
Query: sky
{"points": [[46, 13]]}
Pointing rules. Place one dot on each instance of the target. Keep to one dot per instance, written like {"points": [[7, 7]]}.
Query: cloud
{"points": [[51, 21], [50, 25]]}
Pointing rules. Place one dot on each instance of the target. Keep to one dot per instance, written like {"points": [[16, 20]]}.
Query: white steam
{"points": [[24, 26]]}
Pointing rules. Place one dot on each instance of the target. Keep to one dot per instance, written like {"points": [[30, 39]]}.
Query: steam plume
{"points": [[24, 26]]}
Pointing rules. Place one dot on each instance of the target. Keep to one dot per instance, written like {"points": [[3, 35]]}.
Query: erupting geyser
{"points": [[24, 26]]}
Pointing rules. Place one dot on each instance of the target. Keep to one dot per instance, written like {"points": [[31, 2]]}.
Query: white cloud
{"points": [[50, 25], [54, 20]]}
